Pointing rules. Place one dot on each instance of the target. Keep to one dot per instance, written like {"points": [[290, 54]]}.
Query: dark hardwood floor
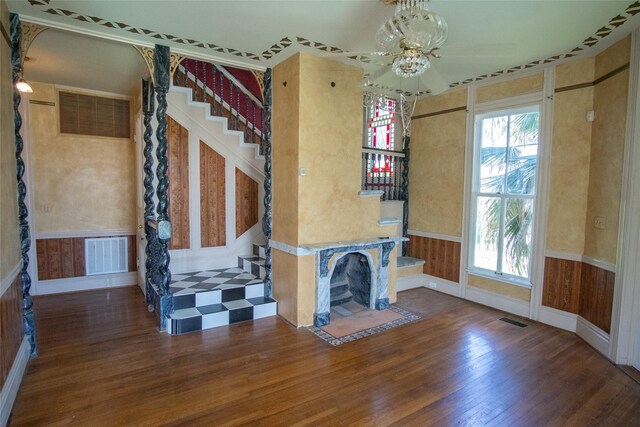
{"points": [[103, 362]]}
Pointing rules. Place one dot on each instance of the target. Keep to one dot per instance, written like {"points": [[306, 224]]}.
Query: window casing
{"points": [[505, 169]]}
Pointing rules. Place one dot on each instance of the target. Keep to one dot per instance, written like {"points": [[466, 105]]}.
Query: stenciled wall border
{"points": [[286, 42]]}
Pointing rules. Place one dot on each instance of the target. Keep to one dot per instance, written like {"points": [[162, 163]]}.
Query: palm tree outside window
{"points": [[504, 191]]}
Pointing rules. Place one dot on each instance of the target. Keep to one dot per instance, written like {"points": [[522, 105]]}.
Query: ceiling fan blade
{"points": [[478, 50], [377, 74], [386, 81], [433, 81], [373, 54]]}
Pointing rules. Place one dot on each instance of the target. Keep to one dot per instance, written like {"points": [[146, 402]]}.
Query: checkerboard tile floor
{"points": [[207, 299], [224, 278]]}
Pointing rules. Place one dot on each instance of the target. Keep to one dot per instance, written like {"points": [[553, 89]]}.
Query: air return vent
{"points": [[106, 255], [514, 322]]}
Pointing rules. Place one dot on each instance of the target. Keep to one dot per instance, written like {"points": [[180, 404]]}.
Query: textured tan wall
{"points": [[285, 137], [510, 88], [446, 101], [498, 287], [436, 173], [291, 278], [9, 236], [329, 208], [607, 149], [80, 183], [570, 156]]}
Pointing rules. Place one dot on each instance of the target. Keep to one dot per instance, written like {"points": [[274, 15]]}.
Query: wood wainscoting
{"points": [[213, 218], [246, 202], [178, 154], [11, 331], [579, 288], [442, 257], [61, 258]]}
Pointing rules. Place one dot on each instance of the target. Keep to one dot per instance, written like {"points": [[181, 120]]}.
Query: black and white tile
{"points": [[212, 298]]}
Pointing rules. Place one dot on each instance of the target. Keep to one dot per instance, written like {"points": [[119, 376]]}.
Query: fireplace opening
{"points": [[351, 281]]}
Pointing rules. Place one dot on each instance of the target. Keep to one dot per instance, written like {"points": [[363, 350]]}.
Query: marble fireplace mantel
{"points": [[324, 252]]}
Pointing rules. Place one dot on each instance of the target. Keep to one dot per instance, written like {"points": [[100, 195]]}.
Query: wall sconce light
{"points": [[23, 86]]}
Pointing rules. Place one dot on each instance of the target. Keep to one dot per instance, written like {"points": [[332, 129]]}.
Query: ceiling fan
{"points": [[410, 39]]}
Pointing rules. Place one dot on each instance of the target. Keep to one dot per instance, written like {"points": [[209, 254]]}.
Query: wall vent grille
{"points": [[106, 255]]}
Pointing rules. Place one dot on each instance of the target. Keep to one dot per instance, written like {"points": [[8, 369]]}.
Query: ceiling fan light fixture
{"points": [[410, 65], [413, 24]]}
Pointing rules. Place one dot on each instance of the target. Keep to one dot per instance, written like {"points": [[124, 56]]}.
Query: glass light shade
{"points": [[23, 86], [415, 26], [410, 65]]}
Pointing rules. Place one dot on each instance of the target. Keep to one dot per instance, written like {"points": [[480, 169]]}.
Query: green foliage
{"points": [[519, 178]]}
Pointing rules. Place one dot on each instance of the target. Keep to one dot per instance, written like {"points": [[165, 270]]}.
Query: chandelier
{"points": [[417, 32]]}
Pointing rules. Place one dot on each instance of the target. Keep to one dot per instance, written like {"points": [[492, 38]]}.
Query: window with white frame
{"points": [[504, 191]]}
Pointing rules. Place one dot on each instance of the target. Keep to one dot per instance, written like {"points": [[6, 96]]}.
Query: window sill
{"points": [[523, 283]]}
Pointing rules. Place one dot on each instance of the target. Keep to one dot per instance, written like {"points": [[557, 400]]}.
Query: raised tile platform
{"points": [[212, 298]]}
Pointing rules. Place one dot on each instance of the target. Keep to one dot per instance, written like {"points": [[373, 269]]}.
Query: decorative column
{"points": [[406, 110], [151, 237], [267, 220], [162, 76], [25, 240]]}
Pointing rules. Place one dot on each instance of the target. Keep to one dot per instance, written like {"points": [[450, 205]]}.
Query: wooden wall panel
{"points": [[562, 284], [10, 327], [596, 296], [442, 257], [213, 218], [178, 154], [246, 202], [64, 257]]}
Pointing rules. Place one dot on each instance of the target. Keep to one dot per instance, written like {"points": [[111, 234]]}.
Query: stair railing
{"points": [[227, 97], [382, 170]]}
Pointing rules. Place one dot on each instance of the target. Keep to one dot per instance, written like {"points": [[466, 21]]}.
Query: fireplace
{"points": [[359, 268], [351, 280]]}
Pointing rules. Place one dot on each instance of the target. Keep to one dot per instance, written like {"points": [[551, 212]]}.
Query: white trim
{"points": [[509, 103], [605, 265], [10, 278], [14, 379], [130, 41], [430, 235], [510, 305], [405, 283], [292, 250], [440, 285], [100, 93], [468, 176], [86, 283], [429, 282], [558, 318], [370, 193], [568, 256], [625, 339], [542, 193], [86, 233], [594, 336]]}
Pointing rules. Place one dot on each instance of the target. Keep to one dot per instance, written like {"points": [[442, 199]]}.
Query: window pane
{"points": [[517, 237], [523, 153], [487, 230], [493, 149]]}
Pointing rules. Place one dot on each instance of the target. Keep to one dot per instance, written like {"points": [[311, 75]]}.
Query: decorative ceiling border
{"points": [[601, 33], [286, 42]]}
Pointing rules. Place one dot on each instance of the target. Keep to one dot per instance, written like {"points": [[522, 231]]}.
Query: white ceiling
{"points": [[484, 36]]}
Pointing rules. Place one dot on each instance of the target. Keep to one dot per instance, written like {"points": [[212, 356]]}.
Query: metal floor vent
{"points": [[514, 322], [106, 255]]}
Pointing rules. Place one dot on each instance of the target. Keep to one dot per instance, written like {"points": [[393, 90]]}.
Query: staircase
{"points": [[213, 298]]}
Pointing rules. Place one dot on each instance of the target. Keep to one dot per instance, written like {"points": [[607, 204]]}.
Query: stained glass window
{"points": [[381, 135]]}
